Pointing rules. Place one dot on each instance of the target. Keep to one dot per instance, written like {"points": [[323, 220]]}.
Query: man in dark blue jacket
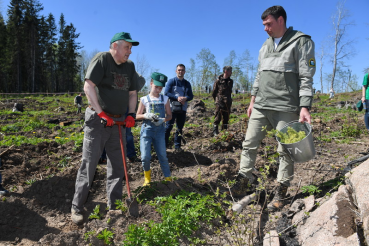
{"points": [[179, 92]]}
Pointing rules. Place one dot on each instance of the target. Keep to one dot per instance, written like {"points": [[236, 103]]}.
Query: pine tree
{"points": [[3, 51], [32, 39], [50, 55], [14, 45]]}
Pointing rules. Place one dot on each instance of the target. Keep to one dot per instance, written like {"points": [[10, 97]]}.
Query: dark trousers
{"points": [[131, 152], [180, 119], [222, 114], [366, 117]]}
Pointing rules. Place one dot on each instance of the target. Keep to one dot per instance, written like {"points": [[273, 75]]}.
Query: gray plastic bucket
{"points": [[304, 149]]}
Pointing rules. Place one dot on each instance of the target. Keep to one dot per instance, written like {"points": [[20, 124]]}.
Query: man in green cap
{"points": [[111, 88], [158, 111]]}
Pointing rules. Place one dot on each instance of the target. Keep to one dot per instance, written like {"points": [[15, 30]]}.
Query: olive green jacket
{"points": [[284, 80]]}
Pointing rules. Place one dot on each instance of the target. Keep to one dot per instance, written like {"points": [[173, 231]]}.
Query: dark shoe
{"points": [[77, 217], [279, 199], [102, 161], [241, 187], [178, 150], [3, 192], [215, 130], [224, 126], [133, 159]]}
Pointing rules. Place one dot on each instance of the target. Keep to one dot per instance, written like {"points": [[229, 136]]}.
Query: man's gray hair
{"points": [[117, 42]]}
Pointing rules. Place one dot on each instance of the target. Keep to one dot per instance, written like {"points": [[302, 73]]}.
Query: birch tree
{"points": [[342, 47]]}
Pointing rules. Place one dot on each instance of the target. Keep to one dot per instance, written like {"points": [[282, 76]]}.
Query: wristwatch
{"points": [[132, 114]]}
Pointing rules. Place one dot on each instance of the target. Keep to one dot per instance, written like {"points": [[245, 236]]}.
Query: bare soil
{"points": [[39, 213]]}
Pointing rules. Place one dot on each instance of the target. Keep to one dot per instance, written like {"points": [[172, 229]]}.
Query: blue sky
{"points": [[172, 32]]}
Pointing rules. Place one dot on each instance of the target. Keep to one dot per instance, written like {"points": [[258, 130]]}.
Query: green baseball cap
{"points": [[124, 36], [159, 79]]}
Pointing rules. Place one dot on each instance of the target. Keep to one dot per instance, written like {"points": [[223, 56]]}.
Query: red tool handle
{"points": [[122, 123]]}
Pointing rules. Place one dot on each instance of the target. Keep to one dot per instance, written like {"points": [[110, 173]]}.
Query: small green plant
{"points": [[199, 176], [64, 162], [30, 181], [311, 189], [89, 234], [96, 213], [78, 145], [120, 205], [351, 130], [106, 236], [334, 183], [14, 188]]}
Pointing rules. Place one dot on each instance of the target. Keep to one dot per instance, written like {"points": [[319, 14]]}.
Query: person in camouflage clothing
{"points": [[222, 94]]}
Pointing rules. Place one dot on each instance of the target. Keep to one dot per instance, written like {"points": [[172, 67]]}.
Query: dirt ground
{"points": [[39, 213]]}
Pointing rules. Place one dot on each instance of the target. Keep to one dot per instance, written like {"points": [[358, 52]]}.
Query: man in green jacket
{"points": [[282, 92]]}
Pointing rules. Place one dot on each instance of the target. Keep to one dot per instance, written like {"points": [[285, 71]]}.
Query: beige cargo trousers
{"points": [[254, 135]]}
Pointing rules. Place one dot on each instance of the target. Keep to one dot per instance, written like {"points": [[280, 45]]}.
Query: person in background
{"points": [[158, 112], [78, 103], [3, 191], [280, 94], [222, 94], [111, 88], [331, 93], [178, 89], [365, 99]]}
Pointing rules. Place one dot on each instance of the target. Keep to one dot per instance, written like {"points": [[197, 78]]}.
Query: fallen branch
{"points": [[361, 159], [6, 150]]}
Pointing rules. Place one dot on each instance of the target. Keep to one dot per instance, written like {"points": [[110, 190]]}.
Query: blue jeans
{"points": [[131, 152], [366, 116], [181, 119], [151, 134]]}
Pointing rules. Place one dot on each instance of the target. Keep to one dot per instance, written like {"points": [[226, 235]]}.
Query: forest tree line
{"points": [[41, 54], [37, 54]]}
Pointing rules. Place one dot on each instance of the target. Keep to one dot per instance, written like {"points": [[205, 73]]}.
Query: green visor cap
{"points": [[124, 36], [360, 105], [159, 79]]}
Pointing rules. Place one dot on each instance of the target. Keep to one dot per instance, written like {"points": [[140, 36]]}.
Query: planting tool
{"points": [[131, 203]]}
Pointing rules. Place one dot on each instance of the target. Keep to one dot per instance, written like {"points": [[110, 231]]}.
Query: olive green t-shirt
{"points": [[113, 82]]}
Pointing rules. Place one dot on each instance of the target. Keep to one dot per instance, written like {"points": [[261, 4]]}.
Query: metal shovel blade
{"points": [[132, 206]]}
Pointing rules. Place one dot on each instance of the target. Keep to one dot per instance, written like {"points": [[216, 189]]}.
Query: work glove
{"points": [[150, 116], [130, 120], [159, 122], [106, 120]]}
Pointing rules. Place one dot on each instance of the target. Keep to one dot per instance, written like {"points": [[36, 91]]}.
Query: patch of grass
{"points": [[182, 215]]}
